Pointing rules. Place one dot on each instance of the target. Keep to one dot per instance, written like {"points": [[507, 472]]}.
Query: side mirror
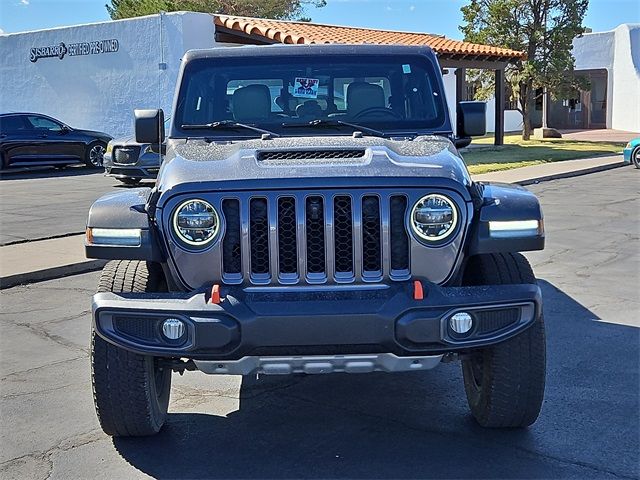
{"points": [[149, 126], [64, 129], [471, 119]]}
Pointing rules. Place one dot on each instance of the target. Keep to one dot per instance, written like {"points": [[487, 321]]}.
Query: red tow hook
{"points": [[215, 294], [418, 292]]}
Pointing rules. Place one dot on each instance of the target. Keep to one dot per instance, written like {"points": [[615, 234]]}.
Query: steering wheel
{"points": [[377, 111]]}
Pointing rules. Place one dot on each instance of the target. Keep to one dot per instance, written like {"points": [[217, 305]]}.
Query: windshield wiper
{"points": [[227, 124], [336, 123]]}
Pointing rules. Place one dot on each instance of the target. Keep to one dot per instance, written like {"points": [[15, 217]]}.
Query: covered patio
{"points": [[452, 54]]}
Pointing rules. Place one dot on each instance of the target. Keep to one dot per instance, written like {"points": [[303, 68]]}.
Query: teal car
{"points": [[632, 151]]}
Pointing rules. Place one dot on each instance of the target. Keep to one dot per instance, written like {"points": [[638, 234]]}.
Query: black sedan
{"points": [[33, 139]]}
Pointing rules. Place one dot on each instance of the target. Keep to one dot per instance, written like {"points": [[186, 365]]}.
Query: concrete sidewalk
{"points": [[44, 260], [47, 259]]}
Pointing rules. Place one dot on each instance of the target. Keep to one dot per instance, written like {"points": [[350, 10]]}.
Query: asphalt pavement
{"points": [[411, 425], [49, 203]]}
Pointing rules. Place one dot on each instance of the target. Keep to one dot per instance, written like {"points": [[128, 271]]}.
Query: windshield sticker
{"points": [[306, 87], [406, 68]]}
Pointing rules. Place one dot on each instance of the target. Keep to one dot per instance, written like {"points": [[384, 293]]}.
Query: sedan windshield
{"points": [[384, 93]]}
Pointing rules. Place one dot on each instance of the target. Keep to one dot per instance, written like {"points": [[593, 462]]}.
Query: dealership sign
{"points": [[83, 48]]}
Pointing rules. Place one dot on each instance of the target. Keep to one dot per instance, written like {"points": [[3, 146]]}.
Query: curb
{"points": [[93, 265], [51, 273], [574, 173]]}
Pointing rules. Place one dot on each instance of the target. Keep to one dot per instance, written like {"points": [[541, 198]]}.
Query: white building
{"points": [[611, 61], [93, 76]]}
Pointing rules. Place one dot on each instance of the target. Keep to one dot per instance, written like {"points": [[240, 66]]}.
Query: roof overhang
{"points": [[451, 53]]}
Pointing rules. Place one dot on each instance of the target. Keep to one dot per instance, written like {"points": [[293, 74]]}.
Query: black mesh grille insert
{"points": [[140, 328], [287, 244], [371, 236], [259, 235], [315, 235], [492, 320], [398, 232], [343, 224], [231, 250], [126, 155], [310, 155]]}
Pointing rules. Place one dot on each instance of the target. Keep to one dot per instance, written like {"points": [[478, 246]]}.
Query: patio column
{"points": [[499, 96], [461, 74]]}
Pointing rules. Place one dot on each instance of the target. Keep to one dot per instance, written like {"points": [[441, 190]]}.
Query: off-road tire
{"points": [[130, 181], [505, 383], [130, 391]]}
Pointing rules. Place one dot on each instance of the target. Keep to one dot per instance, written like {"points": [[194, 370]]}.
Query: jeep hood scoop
{"points": [[196, 161]]}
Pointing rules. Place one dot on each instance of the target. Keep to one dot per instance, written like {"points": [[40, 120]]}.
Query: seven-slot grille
{"points": [[315, 238]]}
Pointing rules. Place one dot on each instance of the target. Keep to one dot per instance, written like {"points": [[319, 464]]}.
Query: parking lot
{"points": [[411, 425], [48, 203]]}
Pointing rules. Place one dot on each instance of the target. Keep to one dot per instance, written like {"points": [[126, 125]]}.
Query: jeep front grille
{"points": [[294, 238]]}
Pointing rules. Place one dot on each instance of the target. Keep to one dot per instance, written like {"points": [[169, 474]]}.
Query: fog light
{"points": [[461, 322], [173, 329]]}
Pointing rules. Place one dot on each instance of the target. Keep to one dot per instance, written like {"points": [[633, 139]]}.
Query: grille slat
{"points": [[371, 236], [399, 239], [231, 246], [343, 234], [259, 236], [321, 237], [287, 236], [314, 219]]}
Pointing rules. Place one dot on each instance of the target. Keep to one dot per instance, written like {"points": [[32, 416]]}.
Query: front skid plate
{"points": [[383, 362]]}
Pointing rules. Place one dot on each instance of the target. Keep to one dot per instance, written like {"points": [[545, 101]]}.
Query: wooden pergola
{"points": [[451, 53]]}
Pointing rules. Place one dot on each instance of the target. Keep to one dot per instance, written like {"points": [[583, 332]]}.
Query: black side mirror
{"points": [[149, 126], [64, 129], [471, 119]]}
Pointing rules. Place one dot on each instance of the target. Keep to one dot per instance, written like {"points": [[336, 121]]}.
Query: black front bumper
{"points": [[348, 320], [133, 171]]}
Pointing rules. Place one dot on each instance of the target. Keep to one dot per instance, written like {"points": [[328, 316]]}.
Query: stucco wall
{"points": [[100, 91], [618, 52]]}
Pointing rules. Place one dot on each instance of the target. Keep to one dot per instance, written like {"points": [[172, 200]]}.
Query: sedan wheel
{"points": [[95, 155], [635, 157]]}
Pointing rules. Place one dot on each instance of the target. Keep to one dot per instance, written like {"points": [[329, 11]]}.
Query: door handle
{"points": [[43, 136]]}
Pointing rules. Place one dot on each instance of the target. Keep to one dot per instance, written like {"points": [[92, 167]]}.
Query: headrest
{"points": [[362, 95], [252, 102], [310, 108]]}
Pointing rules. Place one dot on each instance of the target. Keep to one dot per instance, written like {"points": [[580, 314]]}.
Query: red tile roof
{"points": [[304, 33]]}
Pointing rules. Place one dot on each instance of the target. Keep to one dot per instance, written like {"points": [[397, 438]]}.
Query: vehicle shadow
{"points": [[48, 172], [417, 425]]}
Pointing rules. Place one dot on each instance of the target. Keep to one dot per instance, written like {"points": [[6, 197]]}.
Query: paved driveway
{"points": [[46, 203], [412, 425]]}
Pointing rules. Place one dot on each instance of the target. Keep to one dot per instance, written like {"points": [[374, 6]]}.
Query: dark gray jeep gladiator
{"points": [[313, 215]]}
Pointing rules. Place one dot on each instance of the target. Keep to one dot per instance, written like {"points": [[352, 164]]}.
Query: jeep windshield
{"points": [[318, 95]]}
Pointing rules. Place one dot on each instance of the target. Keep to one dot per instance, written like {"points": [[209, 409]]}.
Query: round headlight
{"points": [[434, 217], [196, 222]]}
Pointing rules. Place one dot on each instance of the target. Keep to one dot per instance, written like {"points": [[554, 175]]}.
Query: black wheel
{"points": [[130, 391], [635, 157], [130, 181], [505, 383], [95, 154]]}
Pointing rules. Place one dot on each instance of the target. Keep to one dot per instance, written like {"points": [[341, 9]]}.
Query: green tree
{"points": [[281, 9], [543, 29]]}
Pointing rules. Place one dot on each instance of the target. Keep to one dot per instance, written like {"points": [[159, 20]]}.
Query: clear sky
{"points": [[433, 16]]}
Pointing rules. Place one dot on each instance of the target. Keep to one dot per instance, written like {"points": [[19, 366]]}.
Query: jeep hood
{"points": [[198, 161]]}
